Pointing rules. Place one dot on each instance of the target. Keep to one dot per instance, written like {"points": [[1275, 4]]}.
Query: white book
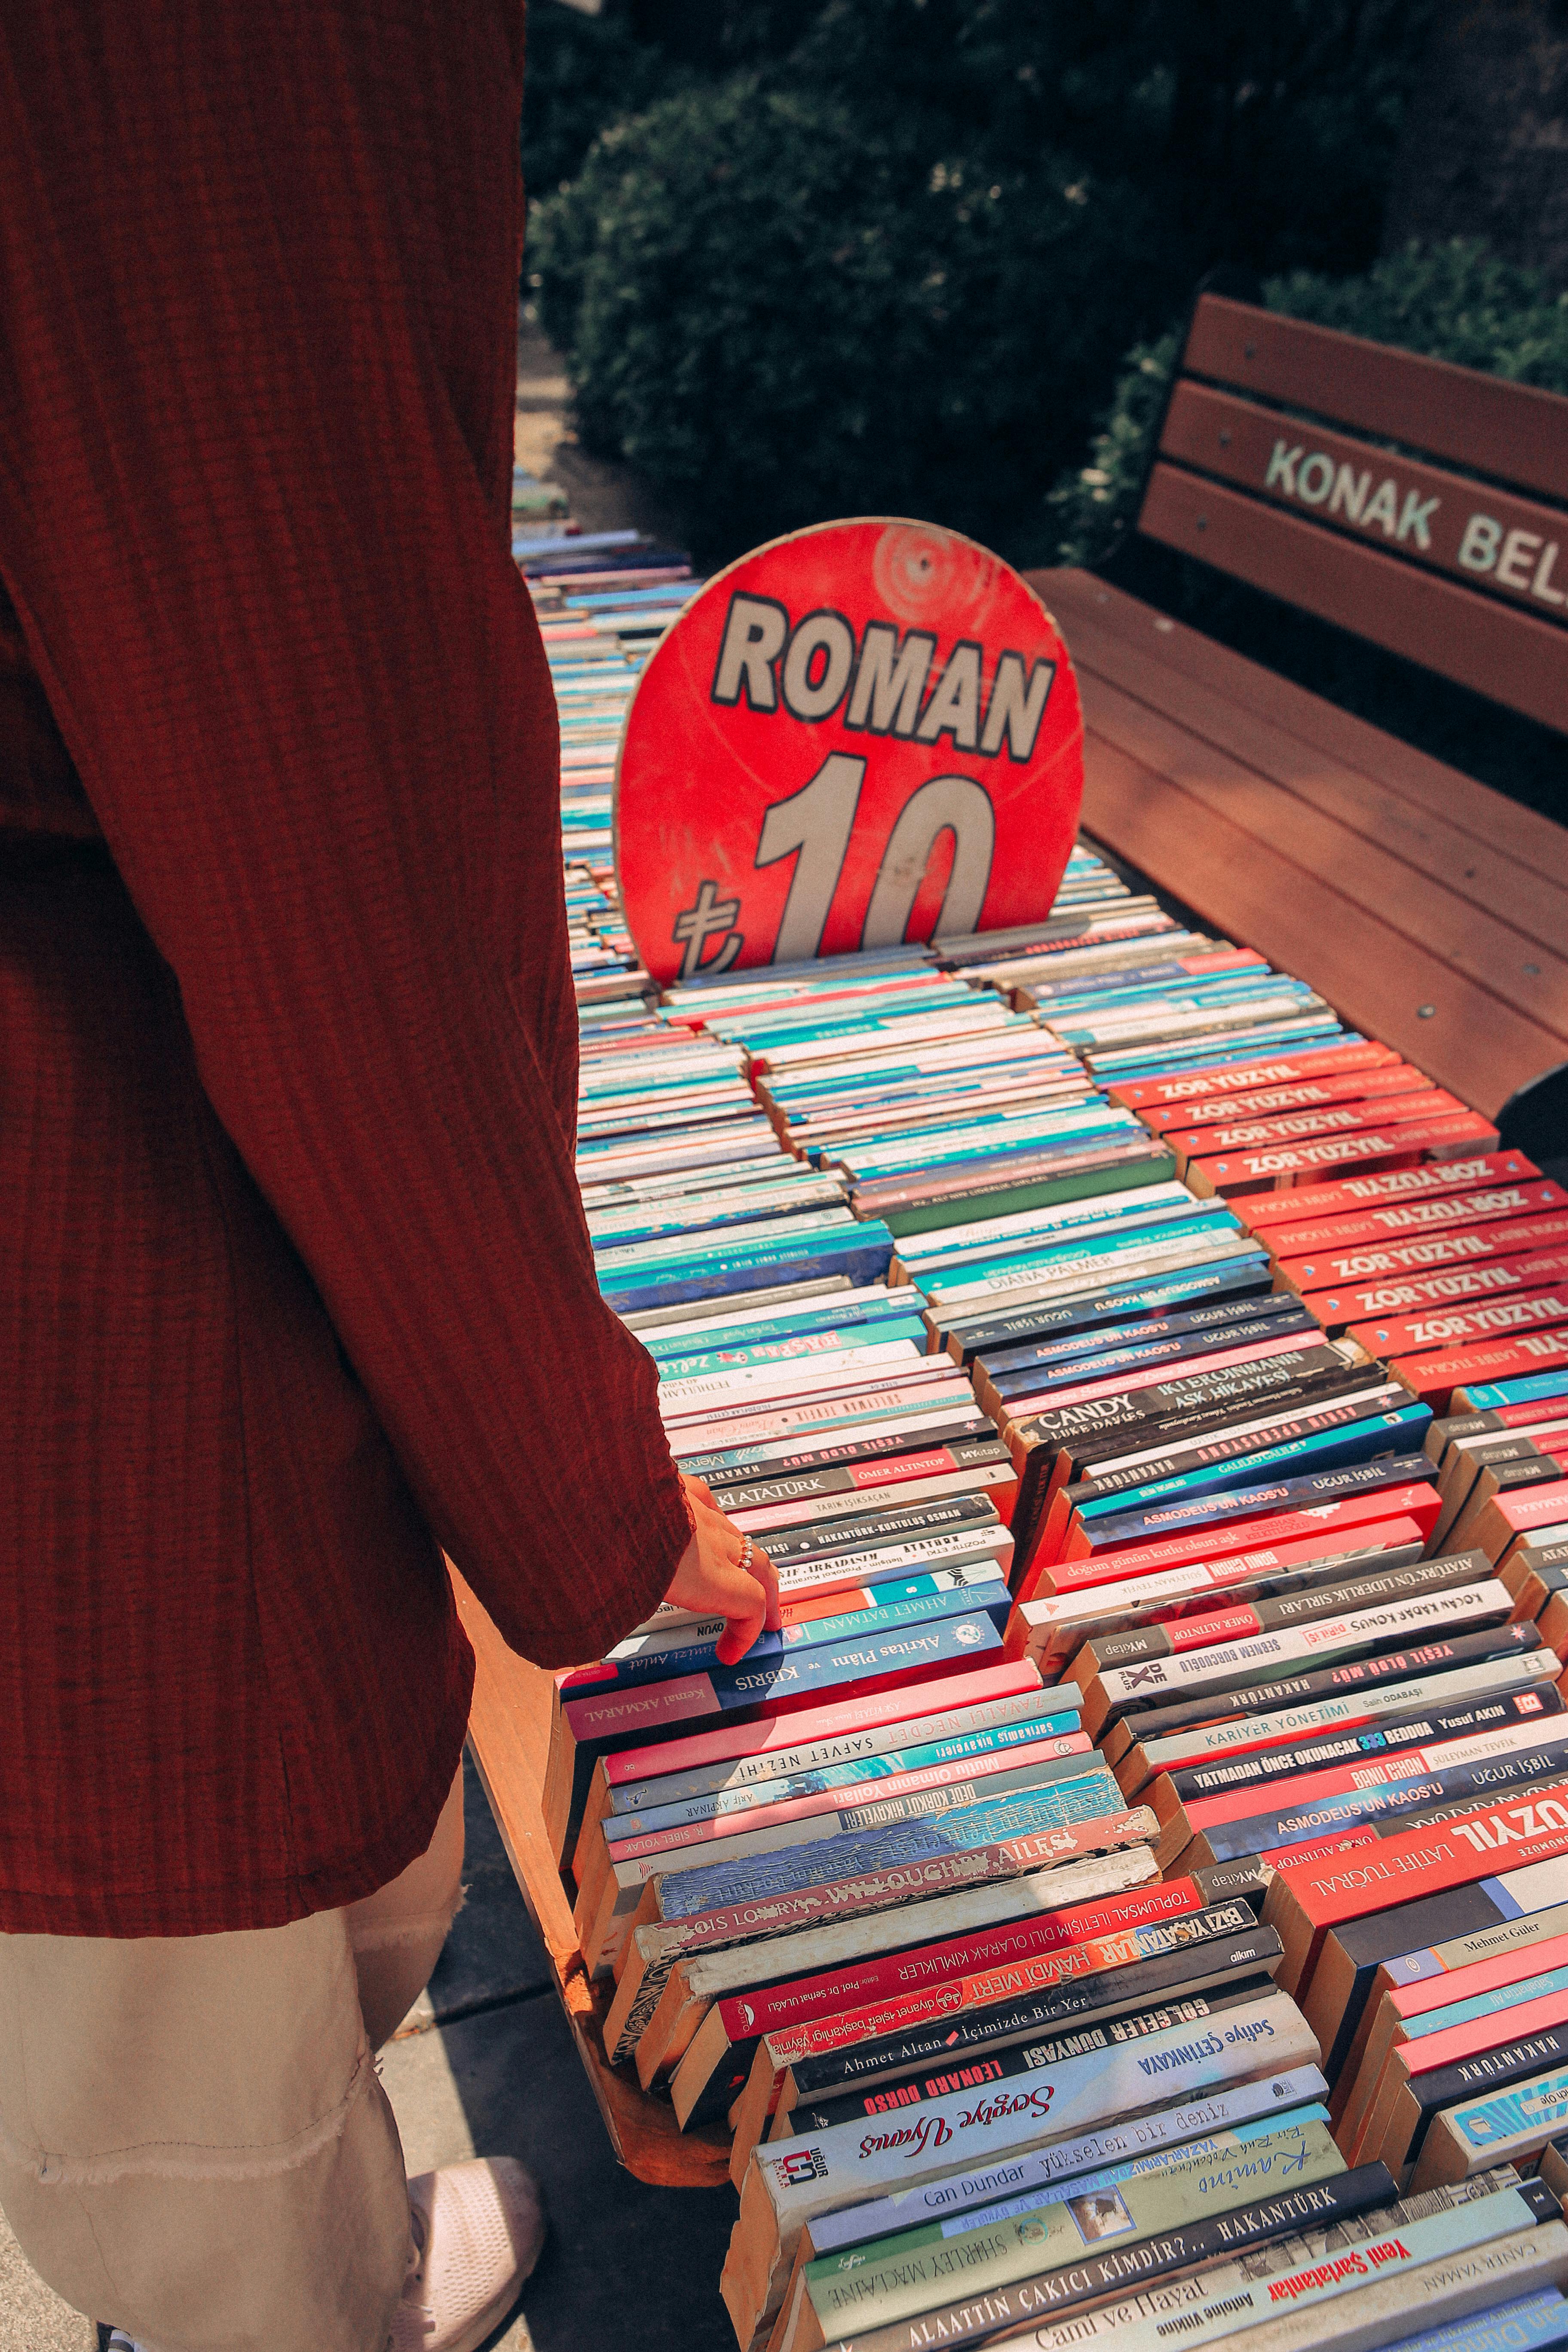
{"points": [[1211, 1741], [753, 1779], [1194, 1670], [789, 2183], [933, 2200], [788, 1376], [1100, 1270], [934, 1382]]}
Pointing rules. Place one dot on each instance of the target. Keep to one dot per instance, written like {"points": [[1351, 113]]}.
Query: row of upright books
{"points": [[603, 599], [1130, 1894]]}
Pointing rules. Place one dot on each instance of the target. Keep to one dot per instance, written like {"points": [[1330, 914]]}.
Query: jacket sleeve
{"points": [[256, 409]]}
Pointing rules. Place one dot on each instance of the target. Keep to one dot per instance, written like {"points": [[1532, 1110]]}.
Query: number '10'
{"points": [[818, 821]]}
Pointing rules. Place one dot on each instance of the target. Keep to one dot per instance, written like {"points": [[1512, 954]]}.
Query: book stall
{"points": [[1129, 1897]]}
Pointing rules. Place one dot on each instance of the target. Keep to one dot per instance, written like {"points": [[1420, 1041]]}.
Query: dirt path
{"points": [[602, 496]]}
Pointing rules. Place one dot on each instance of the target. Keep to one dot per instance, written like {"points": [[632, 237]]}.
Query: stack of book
{"points": [[1165, 1699], [604, 600]]}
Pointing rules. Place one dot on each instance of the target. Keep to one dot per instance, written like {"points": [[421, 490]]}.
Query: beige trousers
{"points": [[193, 2143]]}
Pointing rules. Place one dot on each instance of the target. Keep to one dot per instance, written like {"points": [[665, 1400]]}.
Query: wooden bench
{"points": [[1423, 905]]}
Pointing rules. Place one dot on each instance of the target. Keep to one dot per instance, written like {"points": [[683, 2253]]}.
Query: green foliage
{"points": [[1452, 301], [1095, 506], [781, 307], [581, 73], [850, 255]]}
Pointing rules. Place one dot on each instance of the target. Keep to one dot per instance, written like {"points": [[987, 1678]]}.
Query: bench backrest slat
{"points": [[1487, 424], [1454, 558], [1478, 641]]}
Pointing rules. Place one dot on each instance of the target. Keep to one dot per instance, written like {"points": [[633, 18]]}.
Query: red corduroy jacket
{"points": [[294, 1280]]}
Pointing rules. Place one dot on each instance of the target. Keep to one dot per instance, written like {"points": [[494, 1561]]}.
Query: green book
{"points": [[898, 2276]]}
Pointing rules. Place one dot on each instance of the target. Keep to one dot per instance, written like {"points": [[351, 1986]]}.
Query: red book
{"points": [[1281, 1069], [1085, 1563], [1341, 1780], [1265, 1101], [1526, 1416], [838, 1719], [793, 2000], [1420, 1253], [1450, 1327], [1354, 1192], [1290, 1164], [1433, 1377], [1306, 1899], [1453, 1285], [1263, 1556], [1248, 1131]]}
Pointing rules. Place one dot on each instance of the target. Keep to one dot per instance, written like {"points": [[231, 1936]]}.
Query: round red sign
{"points": [[862, 733]]}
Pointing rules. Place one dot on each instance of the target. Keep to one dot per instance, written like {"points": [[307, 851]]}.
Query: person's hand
{"points": [[719, 1577]]}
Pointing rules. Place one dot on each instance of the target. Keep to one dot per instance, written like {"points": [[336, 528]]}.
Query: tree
{"points": [[1485, 148]]}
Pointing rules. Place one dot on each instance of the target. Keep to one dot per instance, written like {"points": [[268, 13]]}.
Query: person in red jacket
{"points": [[295, 1286]]}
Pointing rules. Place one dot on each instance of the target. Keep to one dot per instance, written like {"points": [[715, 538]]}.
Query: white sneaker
{"points": [[478, 2230]]}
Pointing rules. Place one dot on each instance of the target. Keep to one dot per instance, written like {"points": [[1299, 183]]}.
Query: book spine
{"points": [[1236, 1665], [1180, 2247], [1480, 1714], [1145, 1920], [953, 1593], [1273, 1833], [874, 1843], [1028, 1722], [1328, 2276], [1362, 1676], [1399, 1184], [816, 1737], [923, 1864], [799, 2045], [903, 2276], [687, 1698], [1157, 2134], [1300, 1494], [825, 2169], [1045, 1873], [993, 2018], [868, 2100]]}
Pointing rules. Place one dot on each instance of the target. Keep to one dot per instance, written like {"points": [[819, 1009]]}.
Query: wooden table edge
{"points": [[508, 1734]]}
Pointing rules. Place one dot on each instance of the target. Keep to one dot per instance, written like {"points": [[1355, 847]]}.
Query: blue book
{"points": [[888, 1842], [1528, 1389], [1115, 1523], [719, 1803], [863, 1252], [913, 1600], [1081, 1353], [1190, 1348], [1533, 2323], [638, 1713], [840, 1310], [1384, 1432]]}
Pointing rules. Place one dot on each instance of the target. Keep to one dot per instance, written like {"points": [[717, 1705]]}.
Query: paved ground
{"points": [[603, 497], [494, 2074]]}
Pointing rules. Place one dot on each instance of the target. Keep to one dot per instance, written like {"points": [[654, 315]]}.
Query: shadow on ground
{"points": [[488, 2068]]}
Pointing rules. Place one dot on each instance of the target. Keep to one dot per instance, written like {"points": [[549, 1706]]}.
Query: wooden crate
{"points": [[509, 1737]]}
